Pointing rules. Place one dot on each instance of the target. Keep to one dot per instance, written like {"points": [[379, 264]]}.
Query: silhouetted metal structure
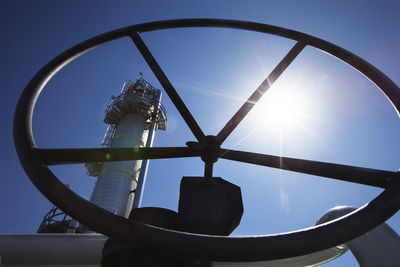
{"points": [[208, 148], [56, 221]]}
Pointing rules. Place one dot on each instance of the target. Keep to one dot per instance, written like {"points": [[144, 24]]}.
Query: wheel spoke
{"points": [[259, 92], [166, 84], [85, 155], [208, 169], [366, 176]]}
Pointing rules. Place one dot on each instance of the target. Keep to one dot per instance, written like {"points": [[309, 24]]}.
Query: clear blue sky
{"points": [[347, 120]]}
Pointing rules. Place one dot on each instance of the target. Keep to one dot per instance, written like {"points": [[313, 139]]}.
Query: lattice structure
{"points": [[139, 97], [56, 221]]}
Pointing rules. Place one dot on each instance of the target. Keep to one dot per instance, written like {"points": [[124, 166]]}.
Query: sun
{"points": [[283, 109]]}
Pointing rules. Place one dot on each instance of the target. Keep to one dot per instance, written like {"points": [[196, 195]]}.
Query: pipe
{"points": [[145, 163]]}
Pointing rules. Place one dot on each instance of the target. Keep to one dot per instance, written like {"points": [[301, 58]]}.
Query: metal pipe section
{"points": [[61, 250], [379, 247], [308, 260], [145, 163], [70, 250], [116, 184]]}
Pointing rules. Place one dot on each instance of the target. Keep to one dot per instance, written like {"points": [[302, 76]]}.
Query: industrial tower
{"points": [[132, 117]]}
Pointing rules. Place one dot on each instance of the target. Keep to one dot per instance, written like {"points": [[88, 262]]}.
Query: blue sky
{"points": [[343, 117]]}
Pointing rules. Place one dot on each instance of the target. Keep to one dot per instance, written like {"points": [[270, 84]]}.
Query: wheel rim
{"points": [[266, 247]]}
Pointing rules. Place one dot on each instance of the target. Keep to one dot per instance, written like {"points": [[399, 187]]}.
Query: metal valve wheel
{"points": [[217, 248]]}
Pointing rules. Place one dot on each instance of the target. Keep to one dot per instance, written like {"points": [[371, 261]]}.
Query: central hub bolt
{"points": [[210, 153]]}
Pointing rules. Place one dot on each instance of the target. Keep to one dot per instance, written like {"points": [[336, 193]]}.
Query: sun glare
{"points": [[283, 110]]}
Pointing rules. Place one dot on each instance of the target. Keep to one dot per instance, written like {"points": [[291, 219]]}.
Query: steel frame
{"points": [[216, 248]]}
